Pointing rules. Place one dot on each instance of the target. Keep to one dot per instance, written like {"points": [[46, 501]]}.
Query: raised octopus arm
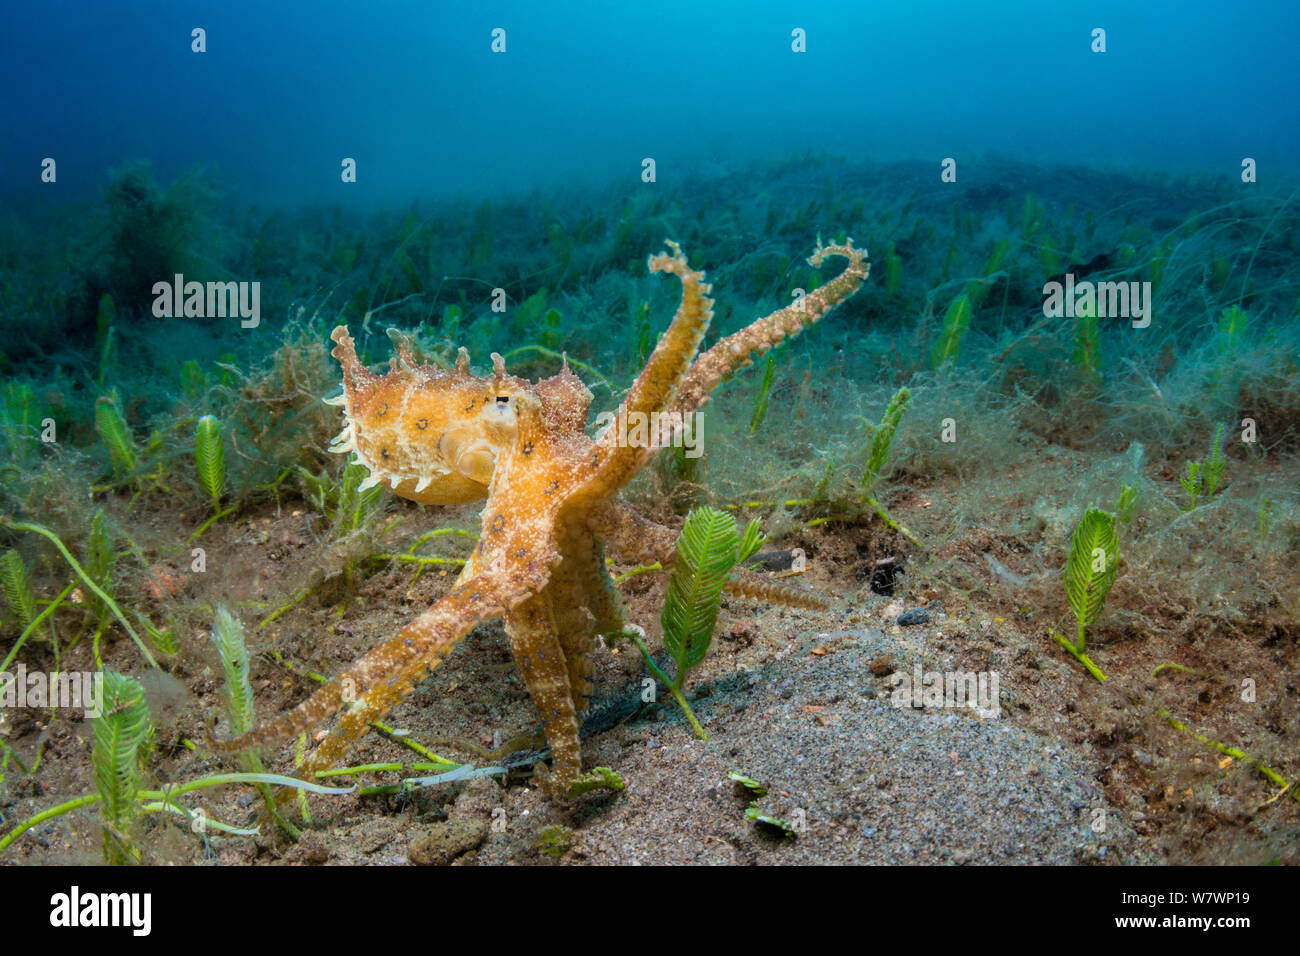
{"points": [[671, 358], [739, 349], [613, 465]]}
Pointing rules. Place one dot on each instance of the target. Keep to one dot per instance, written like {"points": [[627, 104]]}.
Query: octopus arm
{"points": [[739, 349], [378, 680], [614, 465], [654, 387], [585, 605], [535, 643], [635, 538], [761, 587]]}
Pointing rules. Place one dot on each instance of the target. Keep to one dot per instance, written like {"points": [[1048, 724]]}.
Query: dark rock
{"points": [[443, 842], [773, 560], [310, 850], [884, 575]]}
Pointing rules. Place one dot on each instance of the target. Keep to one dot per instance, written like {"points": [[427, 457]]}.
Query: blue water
{"points": [[585, 91]]}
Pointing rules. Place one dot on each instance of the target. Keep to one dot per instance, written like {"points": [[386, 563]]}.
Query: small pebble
{"points": [[882, 665]]}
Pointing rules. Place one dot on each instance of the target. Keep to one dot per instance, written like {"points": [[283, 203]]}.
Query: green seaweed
{"points": [[893, 271], [86, 579], [706, 552], [1203, 477], [757, 815], [100, 559], [1126, 504], [1086, 356], [764, 393], [117, 438], [228, 636], [1089, 574], [122, 738], [882, 438], [210, 459], [955, 323], [17, 591], [210, 463], [598, 778], [1264, 517], [748, 783], [193, 380], [555, 840], [708, 548], [644, 334], [978, 289]]}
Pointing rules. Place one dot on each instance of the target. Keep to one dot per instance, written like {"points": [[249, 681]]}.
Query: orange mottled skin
{"points": [[445, 436]]}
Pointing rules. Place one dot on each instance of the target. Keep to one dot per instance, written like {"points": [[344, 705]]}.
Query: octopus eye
{"points": [[503, 400]]}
